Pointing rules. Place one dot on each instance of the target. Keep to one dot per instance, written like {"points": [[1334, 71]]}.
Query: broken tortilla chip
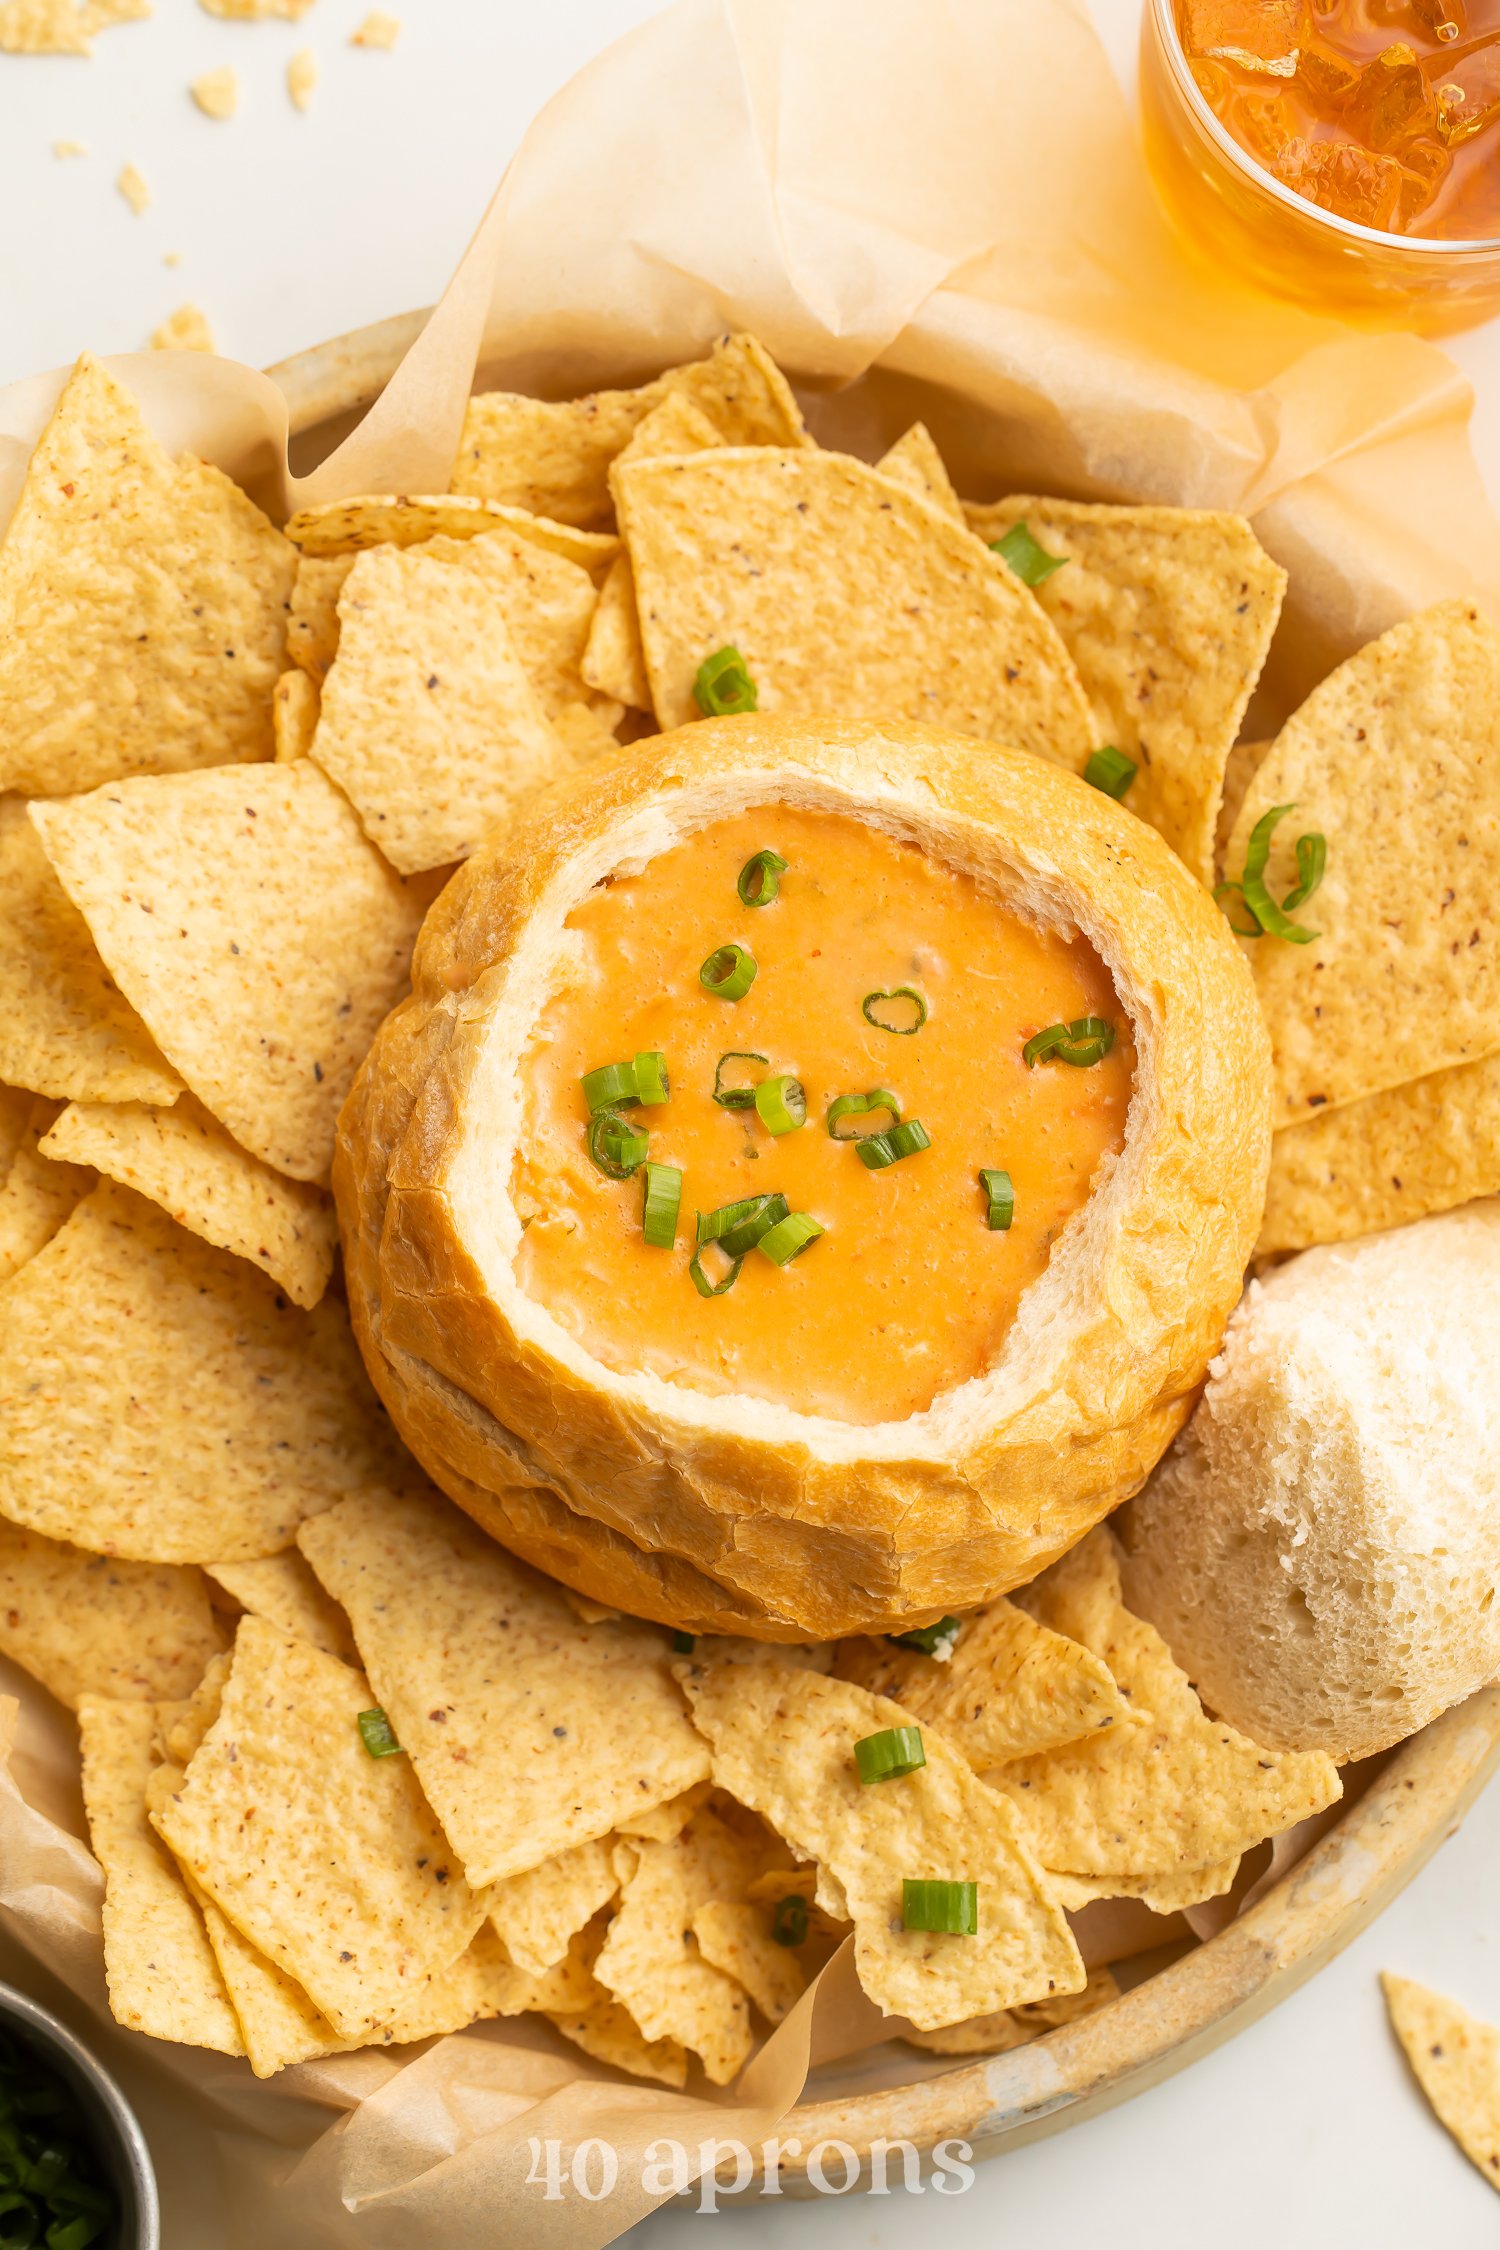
{"points": [[186, 330], [347, 527], [142, 605], [1456, 2061], [283, 1588], [1395, 760], [295, 704], [614, 662], [675, 425], [606, 2030], [1009, 1688], [36, 1195], [185, 1161], [1015, 2027], [86, 1625], [1164, 1894], [360, 1902], [663, 1822], [539, 1913], [840, 590], [783, 1742], [257, 931], [1168, 614], [529, 1730], [915, 461], [735, 1935], [160, 1399], [312, 634]]}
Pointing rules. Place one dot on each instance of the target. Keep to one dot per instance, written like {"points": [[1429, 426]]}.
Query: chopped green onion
{"points": [[789, 1920], [1271, 920], [1110, 770], [890, 1754], [930, 1640], [48, 2194], [683, 1644], [723, 686], [1312, 862], [1223, 892], [1000, 1200], [949, 1908], [728, 973], [662, 1199], [760, 878], [735, 1097], [612, 1086], [738, 1227], [1087, 1040], [860, 1105], [378, 1735], [1030, 562], [789, 1237], [903, 1002], [699, 1275], [781, 1105], [617, 1147], [651, 1083], [877, 1150]]}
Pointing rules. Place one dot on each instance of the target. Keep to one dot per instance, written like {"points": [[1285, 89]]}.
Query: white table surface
{"points": [[1304, 2131]]}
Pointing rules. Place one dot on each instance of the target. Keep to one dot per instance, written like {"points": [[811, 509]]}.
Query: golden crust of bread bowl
{"points": [[734, 1514]]}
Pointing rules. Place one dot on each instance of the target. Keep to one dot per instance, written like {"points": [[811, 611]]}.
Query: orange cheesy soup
{"points": [[909, 1289]]}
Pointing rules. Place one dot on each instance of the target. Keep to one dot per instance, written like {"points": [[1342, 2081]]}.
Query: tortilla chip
{"points": [[676, 425], [283, 1588], [1456, 2061], [37, 1196], [161, 1973], [182, 1726], [1015, 2027], [539, 1913], [312, 633], [295, 704], [842, 592], [259, 934], [377, 30], [83, 1625], [186, 330], [650, 1959], [529, 1730], [549, 606], [142, 605], [1168, 614], [1009, 1689], [188, 1164], [161, 1400], [1385, 1161], [359, 1901], [614, 661], [1164, 1894], [302, 78], [915, 461], [1177, 1793], [42, 27], [65, 1030], [605, 2029], [347, 527], [217, 92], [1396, 760], [1245, 761], [734, 1935], [663, 1822], [783, 1742], [555, 459]]}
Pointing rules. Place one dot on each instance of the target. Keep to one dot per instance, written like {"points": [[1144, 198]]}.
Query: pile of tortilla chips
{"points": [[354, 1775]]}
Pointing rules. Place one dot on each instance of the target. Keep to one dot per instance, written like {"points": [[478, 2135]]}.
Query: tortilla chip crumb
{"points": [[62, 149], [42, 27], [171, 258], [101, 15], [134, 189], [302, 78], [185, 330], [217, 93], [256, 11], [378, 30]]}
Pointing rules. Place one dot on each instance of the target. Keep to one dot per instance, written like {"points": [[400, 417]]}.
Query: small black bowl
{"points": [[124, 2159]]}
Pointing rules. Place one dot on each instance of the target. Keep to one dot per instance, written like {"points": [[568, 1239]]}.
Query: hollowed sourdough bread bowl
{"points": [[733, 1514]]}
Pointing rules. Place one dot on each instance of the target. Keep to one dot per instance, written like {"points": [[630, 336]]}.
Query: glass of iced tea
{"points": [[1342, 152]]}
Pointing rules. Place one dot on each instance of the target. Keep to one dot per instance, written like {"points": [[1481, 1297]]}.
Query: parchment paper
{"points": [[933, 210]]}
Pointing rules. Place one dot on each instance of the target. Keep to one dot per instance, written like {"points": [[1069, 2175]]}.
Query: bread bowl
{"points": [[708, 1507]]}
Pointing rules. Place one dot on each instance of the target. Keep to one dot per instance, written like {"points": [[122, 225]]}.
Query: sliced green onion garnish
{"points": [[723, 685], [698, 1274], [49, 2196], [728, 973], [616, 1146], [659, 1209], [760, 878], [735, 1097], [737, 1227], [781, 1104], [789, 1237], [860, 1105], [610, 1087], [683, 1644], [378, 1735], [1312, 861], [1248, 927], [1030, 562], [1270, 919], [902, 1010], [1000, 1200], [650, 1068], [877, 1150], [1111, 771], [789, 1920], [889, 1754], [950, 1908], [1087, 1040], [928, 1639]]}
